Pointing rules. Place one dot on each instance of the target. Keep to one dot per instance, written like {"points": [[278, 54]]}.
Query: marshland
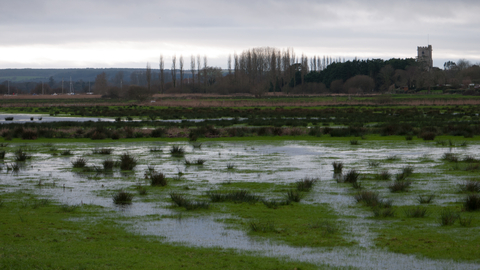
{"points": [[312, 188]]}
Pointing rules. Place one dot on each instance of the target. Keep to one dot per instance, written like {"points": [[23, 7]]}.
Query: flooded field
{"points": [[268, 170]]}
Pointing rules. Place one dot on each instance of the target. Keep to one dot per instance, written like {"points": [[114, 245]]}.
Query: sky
{"points": [[130, 34]]}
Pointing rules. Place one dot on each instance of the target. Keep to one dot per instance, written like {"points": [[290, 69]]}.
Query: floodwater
{"points": [[255, 161]]}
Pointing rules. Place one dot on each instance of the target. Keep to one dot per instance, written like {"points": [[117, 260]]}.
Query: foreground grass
{"points": [[426, 237], [37, 236]]}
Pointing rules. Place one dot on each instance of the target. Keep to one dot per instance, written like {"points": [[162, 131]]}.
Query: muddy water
{"points": [[279, 162]]}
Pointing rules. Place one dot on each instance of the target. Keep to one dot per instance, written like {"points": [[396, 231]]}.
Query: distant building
{"points": [[424, 54]]}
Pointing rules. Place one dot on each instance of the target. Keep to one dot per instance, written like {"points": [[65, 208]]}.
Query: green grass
{"points": [[291, 223], [48, 238], [426, 237]]}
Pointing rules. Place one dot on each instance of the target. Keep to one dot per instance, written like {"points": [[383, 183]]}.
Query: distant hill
{"points": [[77, 74]]}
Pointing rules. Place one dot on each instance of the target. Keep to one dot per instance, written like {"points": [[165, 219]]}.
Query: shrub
{"points": [[2, 154], [428, 136], [417, 212], [158, 132], [472, 202], [79, 163], [122, 197], [127, 162], [447, 217], [305, 184], [29, 135]]}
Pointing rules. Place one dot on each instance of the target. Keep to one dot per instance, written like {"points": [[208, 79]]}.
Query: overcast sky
{"points": [[121, 33]]}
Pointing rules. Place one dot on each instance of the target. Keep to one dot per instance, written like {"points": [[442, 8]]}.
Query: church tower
{"points": [[424, 54]]}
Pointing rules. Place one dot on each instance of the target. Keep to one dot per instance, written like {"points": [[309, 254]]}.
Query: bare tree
{"points": [[192, 69], [198, 69], [229, 64], [162, 77], [174, 70], [181, 72], [205, 72], [148, 76]]}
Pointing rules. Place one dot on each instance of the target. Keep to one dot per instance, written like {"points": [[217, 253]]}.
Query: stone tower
{"points": [[424, 54]]}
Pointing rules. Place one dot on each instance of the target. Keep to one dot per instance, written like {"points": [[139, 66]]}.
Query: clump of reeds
{"points": [[384, 175], [392, 158], [369, 198], [230, 166], [177, 151], [127, 162], [79, 162], [416, 212], [448, 217], [351, 177], [470, 186], [156, 149], [327, 227], [199, 161], [108, 165], [354, 142], [425, 199], [122, 197], [180, 200], [102, 151], [274, 204], [237, 196], [20, 155], [399, 186], [158, 179], [451, 157], [470, 159], [264, 227], [294, 195], [373, 163], [337, 167], [306, 184], [471, 202], [69, 208], [66, 153], [383, 212]]}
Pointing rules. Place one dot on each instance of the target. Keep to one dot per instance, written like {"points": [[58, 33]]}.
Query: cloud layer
{"points": [[106, 33]]}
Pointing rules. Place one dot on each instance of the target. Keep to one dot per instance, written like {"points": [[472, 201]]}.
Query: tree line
{"points": [[266, 69]]}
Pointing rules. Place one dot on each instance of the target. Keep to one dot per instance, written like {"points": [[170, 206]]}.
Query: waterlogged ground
{"points": [[268, 169]]}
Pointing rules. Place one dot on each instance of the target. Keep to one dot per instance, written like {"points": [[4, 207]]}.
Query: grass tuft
{"points": [[337, 167], [470, 186], [472, 202], [256, 226], [177, 151], [384, 175], [351, 177], [158, 179], [448, 217], [425, 199], [294, 195], [416, 212], [399, 186], [79, 163], [122, 197], [306, 184], [127, 162]]}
